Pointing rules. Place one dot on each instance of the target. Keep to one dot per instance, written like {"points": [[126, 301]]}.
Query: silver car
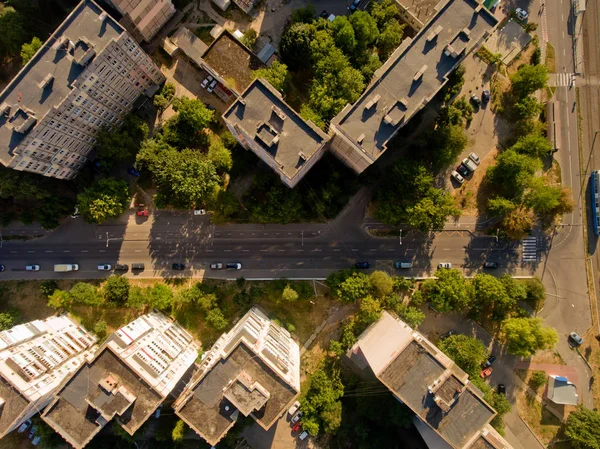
{"points": [[104, 267], [32, 268], [457, 177]]}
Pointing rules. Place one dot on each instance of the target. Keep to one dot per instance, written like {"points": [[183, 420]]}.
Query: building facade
{"points": [[85, 77], [254, 369], [127, 379], [35, 358], [144, 18]]}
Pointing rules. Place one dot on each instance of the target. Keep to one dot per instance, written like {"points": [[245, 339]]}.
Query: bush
{"points": [[100, 329], [48, 287], [289, 294], [178, 431], [537, 379], [116, 289], [216, 319], [10, 318]]}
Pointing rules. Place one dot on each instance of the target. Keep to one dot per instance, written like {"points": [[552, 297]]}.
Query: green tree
{"points": [[365, 28], [513, 172], [219, 155], [383, 12], [48, 287], [249, 38], [305, 14], [432, 211], [528, 79], [583, 428], [9, 319], [186, 129], [527, 107], [137, 297], [411, 316], [289, 294], [515, 289], [60, 299], [382, 283], [105, 199], [450, 291], [499, 206], [343, 34], [163, 99], [536, 292], [159, 297], [491, 296], [369, 310], [30, 49], [87, 294], [525, 336], [124, 143], [277, 75], [310, 115], [390, 38], [356, 286], [216, 319], [448, 142], [116, 289], [547, 199], [517, 223], [295, 45], [225, 205], [179, 431], [537, 379], [13, 33], [369, 64], [100, 329], [534, 145], [324, 390], [468, 352]]}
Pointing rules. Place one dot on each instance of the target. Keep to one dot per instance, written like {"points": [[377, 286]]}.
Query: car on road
{"points": [[200, 212], [121, 267], [133, 171], [485, 96], [475, 100], [234, 266], [491, 359], [521, 14], [471, 166], [362, 265], [212, 86], [502, 389], [487, 372], [462, 170], [216, 266], [447, 265], [354, 5], [32, 268], [104, 267], [2, 268], [450, 333], [303, 435], [297, 427], [24, 427], [404, 265], [142, 213], [297, 417], [576, 338], [75, 213], [474, 158], [457, 177], [206, 82], [178, 266], [490, 265], [294, 408]]}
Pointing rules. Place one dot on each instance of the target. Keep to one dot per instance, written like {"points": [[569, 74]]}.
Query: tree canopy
{"points": [[30, 49], [449, 292], [186, 128], [583, 428], [277, 75], [123, 143], [525, 336], [528, 79], [468, 352], [105, 199]]}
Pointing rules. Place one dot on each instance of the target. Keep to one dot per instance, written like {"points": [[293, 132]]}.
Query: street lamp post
{"points": [[302, 234], [400, 237]]}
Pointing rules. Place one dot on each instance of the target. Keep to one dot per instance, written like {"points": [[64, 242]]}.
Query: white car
{"points": [[471, 166], [445, 265], [32, 268], [458, 178], [212, 86], [521, 14], [200, 212], [474, 158], [294, 408], [206, 82], [104, 267]]}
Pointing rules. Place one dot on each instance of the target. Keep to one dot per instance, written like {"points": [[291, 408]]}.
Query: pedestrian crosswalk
{"points": [[529, 251], [565, 79]]}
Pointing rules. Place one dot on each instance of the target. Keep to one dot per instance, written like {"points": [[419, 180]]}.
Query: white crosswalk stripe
{"points": [[529, 249], [565, 79]]}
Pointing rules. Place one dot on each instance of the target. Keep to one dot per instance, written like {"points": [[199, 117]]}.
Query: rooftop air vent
{"points": [[46, 81], [361, 138], [431, 36], [302, 156], [278, 112], [373, 101], [420, 73]]}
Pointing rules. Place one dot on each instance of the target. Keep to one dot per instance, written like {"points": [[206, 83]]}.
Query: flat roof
{"points": [[14, 405], [74, 419], [278, 132], [24, 91], [211, 415], [561, 392], [232, 61], [396, 92], [410, 375], [190, 44]]}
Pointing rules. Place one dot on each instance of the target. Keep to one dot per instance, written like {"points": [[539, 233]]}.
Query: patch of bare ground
{"points": [[590, 350], [548, 356], [523, 58]]}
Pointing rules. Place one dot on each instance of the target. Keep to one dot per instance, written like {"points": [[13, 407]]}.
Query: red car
{"points": [[297, 427], [142, 213], [486, 372]]}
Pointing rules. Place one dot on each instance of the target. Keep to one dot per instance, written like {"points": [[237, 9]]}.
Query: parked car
{"points": [[294, 408], [178, 266], [471, 166], [297, 417], [157, 412], [576, 338], [491, 359], [444, 265], [487, 372], [210, 107], [485, 96], [490, 265], [121, 267], [24, 427], [133, 171], [142, 213], [475, 100], [462, 170], [354, 5], [457, 177], [216, 266], [75, 213], [474, 158], [502, 389], [104, 267], [32, 268], [303, 435], [234, 266], [212, 86], [324, 14], [404, 265], [2, 268], [206, 82], [138, 266], [362, 265], [199, 212], [447, 334], [521, 14], [297, 427], [36, 440], [32, 432]]}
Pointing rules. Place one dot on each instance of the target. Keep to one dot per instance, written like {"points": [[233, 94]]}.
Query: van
{"points": [[403, 265], [137, 266]]}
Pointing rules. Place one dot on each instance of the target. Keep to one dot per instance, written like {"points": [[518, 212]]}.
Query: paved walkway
{"points": [[551, 369]]}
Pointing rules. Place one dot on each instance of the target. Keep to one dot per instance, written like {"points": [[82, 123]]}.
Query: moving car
{"points": [[206, 81], [212, 86], [457, 177], [294, 408], [32, 268], [138, 266], [324, 14], [467, 162], [474, 158], [490, 265], [502, 389], [445, 265], [491, 359], [521, 14], [447, 334], [64, 267], [297, 417], [485, 96], [104, 267], [475, 100], [178, 266], [462, 170], [487, 372], [121, 267], [199, 212], [234, 266], [216, 266], [2, 268], [576, 338], [362, 265], [403, 265], [142, 213]]}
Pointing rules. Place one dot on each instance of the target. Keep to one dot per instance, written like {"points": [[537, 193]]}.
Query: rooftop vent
{"points": [[103, 16], [62, 42], [109, 384], [302, 156], [361, 138], [467, 32], [46, 81], [420, 73], [373, 101], [431, 36], [278, 112], [5, 109]]}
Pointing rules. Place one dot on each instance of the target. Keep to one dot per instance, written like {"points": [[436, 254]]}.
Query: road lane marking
{"points": [[263, 250], [102, 250], [84, 250], [227, 250], [391, 249], [138, 250], [336, 250], [31, 252], [446, 249], [373, 249], [300, 250], [354, 249], [282, 250], [317, 250], [66, 251], [209, 250], [48, 251], [245, 250], [13, 252]]}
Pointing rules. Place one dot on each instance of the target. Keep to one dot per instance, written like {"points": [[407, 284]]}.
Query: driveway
{"points": [[279, 436]]}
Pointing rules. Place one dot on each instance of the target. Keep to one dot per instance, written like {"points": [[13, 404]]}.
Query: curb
{"points": [[531, 430]]}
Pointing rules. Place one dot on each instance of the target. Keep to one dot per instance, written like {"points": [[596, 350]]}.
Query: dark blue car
{"points": [[133, 171], [362, 265]]}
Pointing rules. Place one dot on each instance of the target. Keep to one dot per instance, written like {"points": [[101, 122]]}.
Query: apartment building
{"points": [[35, 358], [144, 18], [127, 379], [450, 408], [86, 76], [254, 370]]}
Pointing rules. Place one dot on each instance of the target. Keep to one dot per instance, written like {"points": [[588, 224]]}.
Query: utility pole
{"points": [[302, 234], [400, 237], [107, 239]]}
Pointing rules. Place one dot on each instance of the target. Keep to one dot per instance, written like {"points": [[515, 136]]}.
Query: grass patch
{"points": [[543, 423], [203, 33], [550, 58], [487, 56]]}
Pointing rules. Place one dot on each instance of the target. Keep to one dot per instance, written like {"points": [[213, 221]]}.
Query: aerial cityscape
{"points": [[273, 224]]}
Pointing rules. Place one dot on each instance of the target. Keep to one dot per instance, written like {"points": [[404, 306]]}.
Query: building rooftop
{"points": [[561, 391], [421, 10], [13, 404], [49, 76], [190, 44], [413, 75], [278, 132], [234, 63]]}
